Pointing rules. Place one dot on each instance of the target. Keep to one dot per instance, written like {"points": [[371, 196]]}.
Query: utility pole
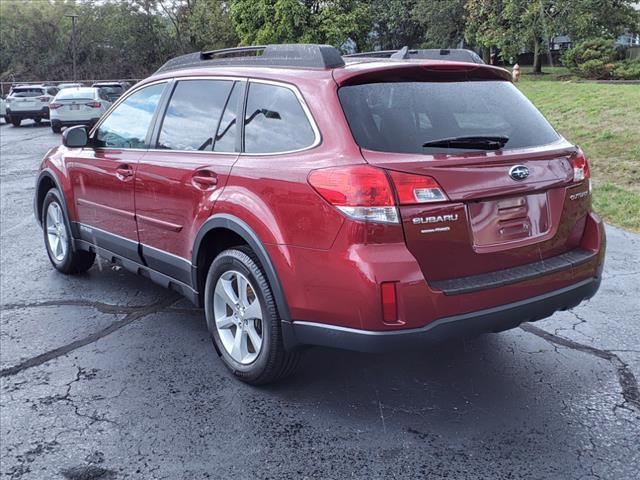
{"points": [[73, 41]]}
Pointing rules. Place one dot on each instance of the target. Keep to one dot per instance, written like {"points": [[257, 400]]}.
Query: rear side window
{"points": [[402, 116], [193, 114], [275, 121], [128, 124]]}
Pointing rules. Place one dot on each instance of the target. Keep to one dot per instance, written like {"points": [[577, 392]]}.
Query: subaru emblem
{"points": [[518, 172]]}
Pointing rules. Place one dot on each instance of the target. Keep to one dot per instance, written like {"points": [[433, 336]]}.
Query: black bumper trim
{"points": [[485, 281], [496, 319]]}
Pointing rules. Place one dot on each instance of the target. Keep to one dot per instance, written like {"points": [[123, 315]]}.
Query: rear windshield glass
{"points": [[27, 92], [402, 116], [76, 93], [111, 89]]}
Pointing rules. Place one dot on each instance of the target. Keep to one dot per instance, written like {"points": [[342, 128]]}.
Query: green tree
{"points": [[442, 21], [297, 21], [395, 24], [513, 25]]}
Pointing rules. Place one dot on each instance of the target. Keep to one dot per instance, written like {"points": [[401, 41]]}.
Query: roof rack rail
{"points": [[286, 55], [405, 53]]}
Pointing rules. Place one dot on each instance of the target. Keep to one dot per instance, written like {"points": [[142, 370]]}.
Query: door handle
{"points": [[123, 172], [204, 179]]}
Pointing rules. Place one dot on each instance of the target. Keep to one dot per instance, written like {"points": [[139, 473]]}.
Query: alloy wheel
{"points": [[238, 317], [56, 232]]}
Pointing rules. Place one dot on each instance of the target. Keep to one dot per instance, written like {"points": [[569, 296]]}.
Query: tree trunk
{"points": [[486, 54], [537, 63]]}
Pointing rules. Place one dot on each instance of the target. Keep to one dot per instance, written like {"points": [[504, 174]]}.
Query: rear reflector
{"points": [[581, 169], [414, 189], [389, 303], [361, 192]]}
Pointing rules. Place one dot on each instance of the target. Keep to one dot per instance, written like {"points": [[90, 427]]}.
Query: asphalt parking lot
{"points": [[106, 376]]}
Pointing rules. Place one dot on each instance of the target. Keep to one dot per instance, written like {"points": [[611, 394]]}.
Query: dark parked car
{"points": [[302, 201], [111, 91]]}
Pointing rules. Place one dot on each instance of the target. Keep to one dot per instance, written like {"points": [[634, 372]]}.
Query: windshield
{"points": [[111, 90], [76, 93], [423, 117], [26, 92]]}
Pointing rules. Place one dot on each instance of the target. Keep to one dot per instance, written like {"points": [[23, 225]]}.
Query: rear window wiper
{"points": [[480, 142]]}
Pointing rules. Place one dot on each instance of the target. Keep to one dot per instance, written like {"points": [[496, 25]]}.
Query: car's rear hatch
{"points": [[490, 221], [491, 218]]}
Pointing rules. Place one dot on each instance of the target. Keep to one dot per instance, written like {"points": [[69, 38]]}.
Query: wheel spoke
{"points": [[53, 244], [58, 213], [254, 337], [254, 310], [51, 230], [242, 290], [50, 220], [58, 252], [225, 322], [228, 295], [239, 349]]}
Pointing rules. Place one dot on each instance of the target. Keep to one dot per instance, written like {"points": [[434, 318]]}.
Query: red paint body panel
{"points": [[330, 266], [171, 204], [103, 196]]}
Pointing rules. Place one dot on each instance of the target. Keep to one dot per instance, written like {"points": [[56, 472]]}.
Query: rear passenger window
{"points": [[193, 114], [275, 121], [128, 124]]}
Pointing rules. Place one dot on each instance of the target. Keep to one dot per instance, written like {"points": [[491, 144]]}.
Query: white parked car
{"points": [[69, 85], [77, 106], [29, 101]]}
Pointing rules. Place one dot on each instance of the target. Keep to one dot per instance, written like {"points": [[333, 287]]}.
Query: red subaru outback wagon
{"points": [[301, 200]]}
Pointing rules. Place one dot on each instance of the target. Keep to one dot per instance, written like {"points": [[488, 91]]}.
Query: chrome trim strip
{"points": [[293, 88], [117, 211]]}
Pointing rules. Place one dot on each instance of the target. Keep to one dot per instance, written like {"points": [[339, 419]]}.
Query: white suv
{"points": [[77, 106], [29, 101]]}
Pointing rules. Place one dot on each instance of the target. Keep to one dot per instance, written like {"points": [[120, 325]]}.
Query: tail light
{"points": [[43, 99], [581, 169], [361, 192], [53, 105], [414, 189], [93, 104]]}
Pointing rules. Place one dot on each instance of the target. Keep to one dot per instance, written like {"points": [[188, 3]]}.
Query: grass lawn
{"points": [[604, 120]]}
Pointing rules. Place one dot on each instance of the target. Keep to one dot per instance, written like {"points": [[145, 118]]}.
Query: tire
{"points": [[56, 225], [268, 363], [16, 121], [56, 128]]}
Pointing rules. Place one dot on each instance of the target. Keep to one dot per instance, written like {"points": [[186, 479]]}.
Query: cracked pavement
{"points": [[106, 376]]}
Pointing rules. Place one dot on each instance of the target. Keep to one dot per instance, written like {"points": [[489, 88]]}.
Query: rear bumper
{"points": [[23, 114], [69, 123], [467, 325]]}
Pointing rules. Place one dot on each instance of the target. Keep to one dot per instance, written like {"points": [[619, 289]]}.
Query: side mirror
{"points": [[75, 137]]}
